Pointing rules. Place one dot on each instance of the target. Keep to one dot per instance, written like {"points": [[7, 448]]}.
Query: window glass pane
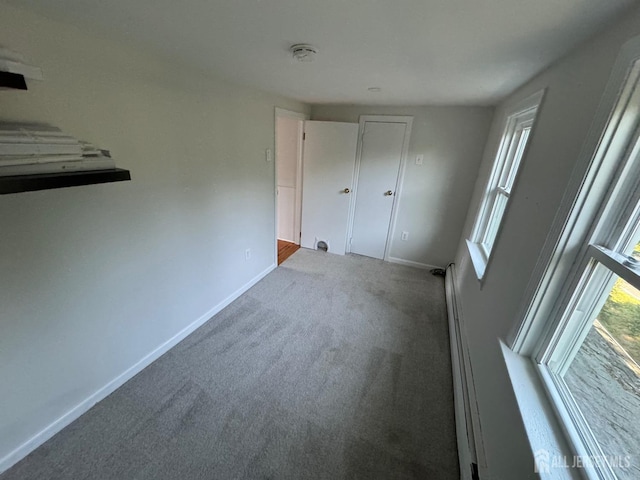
{"points": [[604, 379], [632, 248], [494, 221], [510, 156], [513, 166]]}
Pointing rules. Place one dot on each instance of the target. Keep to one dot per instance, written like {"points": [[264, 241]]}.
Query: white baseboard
{"points": [[468, 429], [410, 263], [53, 428]]}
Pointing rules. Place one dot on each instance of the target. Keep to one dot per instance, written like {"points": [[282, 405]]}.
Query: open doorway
{"points": [[289, 130]]}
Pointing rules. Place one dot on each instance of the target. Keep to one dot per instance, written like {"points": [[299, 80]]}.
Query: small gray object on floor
{"points": [[331, 367]]}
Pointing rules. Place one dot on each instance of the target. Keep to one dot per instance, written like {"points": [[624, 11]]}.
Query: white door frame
{"points": [[281, 112], [408, 120]]}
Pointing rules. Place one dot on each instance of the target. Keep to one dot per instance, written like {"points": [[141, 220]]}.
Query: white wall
{"points": [[435, 195], [95, 278], [574, 87]]}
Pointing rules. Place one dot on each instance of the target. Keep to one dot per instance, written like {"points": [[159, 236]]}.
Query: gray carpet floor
{"points": [[329, 368]]}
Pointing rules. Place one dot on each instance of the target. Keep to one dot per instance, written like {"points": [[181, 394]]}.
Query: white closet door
{"points": [[380, 158], [328, 164]]}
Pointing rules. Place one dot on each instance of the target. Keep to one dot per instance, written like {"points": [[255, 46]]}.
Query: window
{"points": [[592, 363], [505, 169], [582, 325]]}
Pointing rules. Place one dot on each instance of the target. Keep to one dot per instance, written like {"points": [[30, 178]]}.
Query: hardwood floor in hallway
{"points": [[285, 250]]}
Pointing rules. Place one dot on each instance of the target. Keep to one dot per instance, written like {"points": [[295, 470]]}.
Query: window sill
{"points": [[477, 259], [544, 432]]}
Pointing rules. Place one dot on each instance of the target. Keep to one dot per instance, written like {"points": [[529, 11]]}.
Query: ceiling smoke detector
{"points": [[303, 52]]}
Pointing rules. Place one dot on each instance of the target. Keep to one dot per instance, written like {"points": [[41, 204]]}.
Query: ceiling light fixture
{"points": [[303, 52]]}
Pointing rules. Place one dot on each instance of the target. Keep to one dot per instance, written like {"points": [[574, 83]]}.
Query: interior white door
{"points": [[328, 164], [380, 160]]}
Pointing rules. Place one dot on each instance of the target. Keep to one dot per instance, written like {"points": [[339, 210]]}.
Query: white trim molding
{"points": [[544, 432], [477, 258], [411, 263], [39, 438]]}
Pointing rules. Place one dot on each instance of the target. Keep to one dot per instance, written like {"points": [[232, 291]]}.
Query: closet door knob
{"points": [[346, 190], [388, 193]]}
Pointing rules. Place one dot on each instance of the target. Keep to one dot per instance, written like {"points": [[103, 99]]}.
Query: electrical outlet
{"points": [[247, 254], [419, 159], [405, 236], [267, 154]]}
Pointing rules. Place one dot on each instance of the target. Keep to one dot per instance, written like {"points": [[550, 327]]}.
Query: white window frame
{"points": [[517, 131], [598, 218], [600, 262]]}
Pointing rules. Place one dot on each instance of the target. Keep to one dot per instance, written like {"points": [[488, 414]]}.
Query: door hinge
{"points": [[304, 135]]}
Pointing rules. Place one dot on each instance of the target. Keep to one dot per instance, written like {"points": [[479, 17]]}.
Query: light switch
{"points": [[267, 154]]}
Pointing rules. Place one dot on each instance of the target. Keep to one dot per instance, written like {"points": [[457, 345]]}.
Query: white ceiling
{"points": [[419, 52]]}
